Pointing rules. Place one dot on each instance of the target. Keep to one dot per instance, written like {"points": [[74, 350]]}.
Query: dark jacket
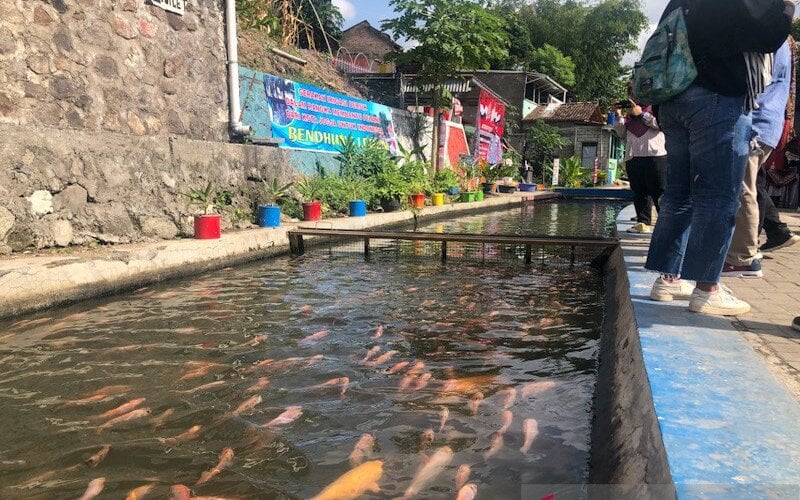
{"points": [[720, 31]]}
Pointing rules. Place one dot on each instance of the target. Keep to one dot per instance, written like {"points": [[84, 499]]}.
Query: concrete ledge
{"points": [[730, 428], [598, 192], [32, 283]]}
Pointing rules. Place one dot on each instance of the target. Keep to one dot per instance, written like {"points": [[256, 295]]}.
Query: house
{"points": [[583, 125], [363, 49]]}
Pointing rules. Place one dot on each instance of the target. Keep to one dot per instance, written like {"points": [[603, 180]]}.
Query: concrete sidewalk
{"points": [[33, 282]]}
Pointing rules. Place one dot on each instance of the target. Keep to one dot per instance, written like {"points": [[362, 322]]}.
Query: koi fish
{"points": [[462, 476], [161, 419], [507, 418], [510, 397], [313, 338], [383, 358], [306, 309], [225, 460], [94, 489], [291, 414], [429, 471], [378, 332], [407, 382], [341, 382], [140, 413], [121, 409], [204, 387], [474, 402], [354, 483], [260, 385], [536, 387], [373, 351], [472, 384], [443, 416], [397, 368], [467, 492], [530, 429], [450, 385], [255, 341], [202, 369], [137, 493], [100, 394], [190, 434], [247, 404], [422, 381], [497, 445], [98, 457], [426, 439], [418, 367], [180, 492], [362, 450]]}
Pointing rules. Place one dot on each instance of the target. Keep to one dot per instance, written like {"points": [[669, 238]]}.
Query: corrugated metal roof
{"points": [[583, 112], [455, 85]]}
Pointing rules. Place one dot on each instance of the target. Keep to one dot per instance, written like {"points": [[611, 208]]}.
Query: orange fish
{"points": [[449, 385], [530, 428], [429, 471], [507, 418], [101, 394], [98, 456], [407, 382], [260, 385], [354, 483], [140, 413], [422, 381], [313, 338], [467, 492], [204, 387], [180, 492], [203, 368], [497, 445], [533, 388], [137, 493], [397, 368], [372, 352], [291, 414], [260, 365], [255, 341], [190, 434], [362, 450], [378, 332], [225, 460], [161, 419], [383, 358], [306, 309], [418, 367], [94, 489], [119, 410], [462, 476], [248, 404], [341, 382], [474, 383]]}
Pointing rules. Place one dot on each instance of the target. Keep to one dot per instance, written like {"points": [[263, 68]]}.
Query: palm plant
{"points": [[274, 193]]}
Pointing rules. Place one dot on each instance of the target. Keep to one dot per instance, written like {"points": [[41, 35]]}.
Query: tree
{"points": [[551, 61], [451, 35], [541, 144], [329, 22]]}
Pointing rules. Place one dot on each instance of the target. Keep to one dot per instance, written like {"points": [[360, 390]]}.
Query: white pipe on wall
{"points": [[235, 126]]}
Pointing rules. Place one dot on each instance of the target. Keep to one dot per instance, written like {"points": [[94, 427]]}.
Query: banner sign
{"points": [[489, 128], [313, 119]]}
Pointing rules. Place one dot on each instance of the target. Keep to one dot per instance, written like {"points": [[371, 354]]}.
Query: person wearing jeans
{"points": [[708, 129]]}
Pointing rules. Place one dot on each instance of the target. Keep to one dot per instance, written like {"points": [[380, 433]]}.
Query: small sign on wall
{"points": [[176, 6]]}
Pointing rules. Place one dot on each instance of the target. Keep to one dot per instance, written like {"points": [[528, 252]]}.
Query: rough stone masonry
{"points": [[109, 110]]}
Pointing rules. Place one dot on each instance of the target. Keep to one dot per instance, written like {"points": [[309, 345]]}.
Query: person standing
{"points": [[708, 130], [769, 119], [645, 161]]}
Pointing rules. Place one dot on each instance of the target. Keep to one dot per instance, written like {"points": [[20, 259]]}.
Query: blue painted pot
{"points": [[527, 187], [269, 216], [358, 208], [452, 191]]}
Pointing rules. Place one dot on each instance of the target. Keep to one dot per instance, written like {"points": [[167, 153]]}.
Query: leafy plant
{"points": [[365, 160], [210, 199], [444, 180], [309, 188], [390, 184], [542, 143], [415, 174], [359, 189], [571, 171], [274, 193]]}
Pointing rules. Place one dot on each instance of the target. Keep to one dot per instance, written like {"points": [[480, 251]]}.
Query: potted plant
{"points": [[390, 187], [490, 176], [360, 190], [416, 198], [445, 181], [207, 226], [309, 189], [269, 214]]}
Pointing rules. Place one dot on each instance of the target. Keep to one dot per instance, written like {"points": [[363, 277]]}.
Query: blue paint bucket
{"points": [[358, 208], [527, 187], [269, 216], [452, 191]]}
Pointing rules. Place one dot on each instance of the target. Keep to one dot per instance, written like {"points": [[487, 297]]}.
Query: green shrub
{"points": [[444, 180], [363, 161]]}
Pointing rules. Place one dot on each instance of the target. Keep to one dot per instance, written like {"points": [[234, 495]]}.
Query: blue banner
{"points": [[314, 119]]}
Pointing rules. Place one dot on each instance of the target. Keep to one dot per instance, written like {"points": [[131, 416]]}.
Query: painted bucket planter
{"points": [[453, 191], [438, 199], [390, 204], [417, 200], [506, 189], [312, 211], [488, 187], [479, 195], [269, 215], [357, 208], [468, 196], [207, 227], [527, 188]]}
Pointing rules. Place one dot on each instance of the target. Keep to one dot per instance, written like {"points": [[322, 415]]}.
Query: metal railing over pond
{"points": [[485, 248]]}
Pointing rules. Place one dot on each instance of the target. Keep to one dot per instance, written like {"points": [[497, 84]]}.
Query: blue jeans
{"points": [[708, 143]]}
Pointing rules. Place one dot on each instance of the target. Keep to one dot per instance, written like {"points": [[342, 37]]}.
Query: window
{"points": [[588, 154]]}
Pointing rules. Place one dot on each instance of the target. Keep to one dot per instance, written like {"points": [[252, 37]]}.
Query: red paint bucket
{"points": [[312, 211], [207, 227], [417, 200]]}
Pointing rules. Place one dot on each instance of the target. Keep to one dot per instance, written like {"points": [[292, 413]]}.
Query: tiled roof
{"points": [[581, 112]]}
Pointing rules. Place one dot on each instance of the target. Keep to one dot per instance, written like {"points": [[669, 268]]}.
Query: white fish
{"points": [[429, 471], [474, 402], [362, 450], [462, 476], [536, 387], [291, 414], [443, 416], [510, 397], [507, 418], [530, 428], [467, 492], [94, 489], [497, 445], [378, 332]]}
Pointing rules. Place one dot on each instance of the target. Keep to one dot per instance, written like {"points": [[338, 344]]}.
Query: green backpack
{"points": [[666, 68]]}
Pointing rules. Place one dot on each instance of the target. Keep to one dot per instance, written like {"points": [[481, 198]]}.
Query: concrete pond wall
{"points": [[109, 109]]}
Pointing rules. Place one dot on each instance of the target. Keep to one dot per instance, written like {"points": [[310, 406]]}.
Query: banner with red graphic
{"points": [[489, 128]]}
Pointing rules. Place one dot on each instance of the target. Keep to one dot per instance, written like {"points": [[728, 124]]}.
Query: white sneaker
{"points": [[640, 228], [664, 291], [722, 302]]}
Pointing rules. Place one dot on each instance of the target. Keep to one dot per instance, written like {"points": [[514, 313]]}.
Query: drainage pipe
{"points": [[235, 126]]}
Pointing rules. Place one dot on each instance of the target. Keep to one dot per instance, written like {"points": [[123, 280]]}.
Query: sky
{"points": [[355, 11]]}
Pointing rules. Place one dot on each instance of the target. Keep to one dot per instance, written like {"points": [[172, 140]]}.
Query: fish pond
{"points": [[275, 379]]}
